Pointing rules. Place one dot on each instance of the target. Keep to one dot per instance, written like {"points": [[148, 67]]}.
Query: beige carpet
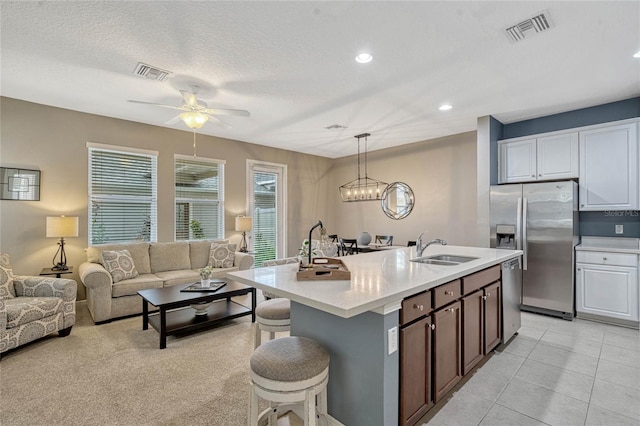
{"points": [[114, 374]]}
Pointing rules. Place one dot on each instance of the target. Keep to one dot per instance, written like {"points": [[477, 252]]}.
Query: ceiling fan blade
{"points": [[225, 124], [227, 111], [174, 120], [189, 98], [154, 104]]}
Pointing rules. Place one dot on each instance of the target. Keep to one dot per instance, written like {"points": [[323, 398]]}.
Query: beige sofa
{"points": [[158, 265]]}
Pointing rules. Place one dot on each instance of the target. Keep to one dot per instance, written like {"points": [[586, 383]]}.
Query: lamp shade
{"points": [[62, 226], [243, 223], [194, 120]]}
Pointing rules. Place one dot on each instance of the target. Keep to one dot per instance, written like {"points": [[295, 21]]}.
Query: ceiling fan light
{"points": [[194, 120]]}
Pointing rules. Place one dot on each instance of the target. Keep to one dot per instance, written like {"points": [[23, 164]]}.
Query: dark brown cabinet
{"points": [[473, 348], [415, 371], [447, 347], [492, 315]]}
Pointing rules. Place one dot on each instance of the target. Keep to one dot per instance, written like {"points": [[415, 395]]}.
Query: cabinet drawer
{"points": [[415, 306], [607, 258], [475, 281], [446, 294]]}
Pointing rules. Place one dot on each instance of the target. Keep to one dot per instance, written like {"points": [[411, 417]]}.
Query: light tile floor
{"points": [[554, 372]]}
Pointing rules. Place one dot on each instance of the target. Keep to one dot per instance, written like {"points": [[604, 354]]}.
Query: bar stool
{"points": [[273, 315], [286, 371]]}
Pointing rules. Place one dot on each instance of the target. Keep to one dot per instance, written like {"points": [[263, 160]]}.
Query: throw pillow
{"points": [[222, 255], [119, 264], [6, 278]]}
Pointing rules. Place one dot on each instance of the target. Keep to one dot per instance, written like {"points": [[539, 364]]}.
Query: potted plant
{"points": [[303, 253], [205, 275]]}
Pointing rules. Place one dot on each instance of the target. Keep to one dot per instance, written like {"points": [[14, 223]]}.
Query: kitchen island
{"points": [[357, 321]]}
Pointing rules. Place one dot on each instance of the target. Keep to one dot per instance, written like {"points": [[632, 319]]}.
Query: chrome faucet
{"points": [[420, 248]]}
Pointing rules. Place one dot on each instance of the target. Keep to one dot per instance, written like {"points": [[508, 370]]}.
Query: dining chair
{"points": [[349, 246], [384, 239], [333, 238], [411, 243]]}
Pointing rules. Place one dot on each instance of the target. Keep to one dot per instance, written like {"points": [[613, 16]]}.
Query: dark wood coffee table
{"points": [[176, 316]]}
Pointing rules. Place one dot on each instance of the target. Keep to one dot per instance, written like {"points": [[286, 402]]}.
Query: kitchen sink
{"points": [[452, 258], [444, 259]]}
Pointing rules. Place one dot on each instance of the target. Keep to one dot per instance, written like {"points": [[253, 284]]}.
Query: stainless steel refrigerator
{"points": [[541, 219]]}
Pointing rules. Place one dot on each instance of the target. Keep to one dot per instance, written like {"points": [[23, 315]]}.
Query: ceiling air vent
{"points": [[152, 73], [530, 27], [335, 127]]}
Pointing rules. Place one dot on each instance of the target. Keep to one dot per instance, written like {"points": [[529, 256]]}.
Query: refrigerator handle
{"points": [[524, 234], [519, 225]]}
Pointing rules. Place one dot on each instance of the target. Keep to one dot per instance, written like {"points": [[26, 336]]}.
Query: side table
{"points": [[56, 272]]}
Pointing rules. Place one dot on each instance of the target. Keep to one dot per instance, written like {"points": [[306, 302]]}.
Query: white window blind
{"points": [[122, 195], [264, 217], [199, 196]]}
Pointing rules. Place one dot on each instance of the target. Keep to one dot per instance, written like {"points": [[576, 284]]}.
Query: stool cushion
{"points": [[289, 359], [274, 309]]}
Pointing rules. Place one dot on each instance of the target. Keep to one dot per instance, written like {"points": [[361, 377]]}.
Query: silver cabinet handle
{"points": [[484, 297], [452, 310], [604, 258], [488, 294], [540, 175], [533, 175], [416, 306], [433, 326], [448, 293], [579, 269]]}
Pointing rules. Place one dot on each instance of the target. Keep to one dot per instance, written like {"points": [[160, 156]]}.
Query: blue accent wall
{"points": [[601, 224], [621, 110]]}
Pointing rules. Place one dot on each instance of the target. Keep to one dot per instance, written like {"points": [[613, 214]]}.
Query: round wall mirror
{"points": [[397, 200]]}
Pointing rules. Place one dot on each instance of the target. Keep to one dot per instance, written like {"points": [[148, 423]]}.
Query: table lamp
{"points": [[60, 227], [243, 224]]}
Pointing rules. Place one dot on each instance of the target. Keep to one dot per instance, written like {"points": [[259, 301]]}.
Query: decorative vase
{"points": [[204, 282], [201, 308], [364, 238]]}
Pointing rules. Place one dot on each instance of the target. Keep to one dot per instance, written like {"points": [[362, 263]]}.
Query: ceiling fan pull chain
{"points": [[194, 142]]}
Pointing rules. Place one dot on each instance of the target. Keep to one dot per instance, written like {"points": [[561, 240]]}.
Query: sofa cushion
{"points": [[222, 255], [119, 264], [184, 276], [6, 278], [199, 252], [131, 286], [169, 256], [139, 253], [23, 310]]}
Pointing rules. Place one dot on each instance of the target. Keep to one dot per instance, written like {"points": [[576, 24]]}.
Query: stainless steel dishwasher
{"points": [[511, 298]]}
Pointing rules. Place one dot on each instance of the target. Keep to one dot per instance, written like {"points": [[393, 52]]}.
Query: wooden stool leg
{"points": [[272, 335], [253, 406], [310, 408], [322, 406], [273, 415], [257, 339]]}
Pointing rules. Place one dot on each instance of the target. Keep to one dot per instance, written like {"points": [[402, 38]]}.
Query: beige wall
{"points": [[442, 174], [53, 140]]}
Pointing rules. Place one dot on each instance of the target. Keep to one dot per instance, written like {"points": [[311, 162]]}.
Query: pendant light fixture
{"points": [[362, 188]]}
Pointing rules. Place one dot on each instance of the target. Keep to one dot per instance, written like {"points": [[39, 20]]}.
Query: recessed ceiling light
{"points": [[637, 54], [364, 58], [445, 107]]}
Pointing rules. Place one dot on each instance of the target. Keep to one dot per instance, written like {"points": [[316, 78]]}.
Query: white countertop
{"points": [[379, 280], [610, 244]]}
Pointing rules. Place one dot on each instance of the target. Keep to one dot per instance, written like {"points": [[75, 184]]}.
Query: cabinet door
{"points": [[609, 168], [517, 161], [446, 349], [558, 157], [472, 325], [415, 371], [492, 303], [608, 291]]}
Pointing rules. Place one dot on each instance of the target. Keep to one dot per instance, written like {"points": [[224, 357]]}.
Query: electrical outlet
{"points": [[619, 229], [392, 338]]}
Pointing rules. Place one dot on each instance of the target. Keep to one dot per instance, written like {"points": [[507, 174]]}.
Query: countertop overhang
{"points": [[379, 280]]}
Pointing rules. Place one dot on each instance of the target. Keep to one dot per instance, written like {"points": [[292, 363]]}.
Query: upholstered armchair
{"points": [[33, 307]]}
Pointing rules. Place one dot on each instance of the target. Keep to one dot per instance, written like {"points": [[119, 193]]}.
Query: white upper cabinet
{"points": [[609, 168], [543, 158]]}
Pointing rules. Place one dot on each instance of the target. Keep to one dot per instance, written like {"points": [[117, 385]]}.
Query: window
{"points": [[199, 184], [123, 191]]}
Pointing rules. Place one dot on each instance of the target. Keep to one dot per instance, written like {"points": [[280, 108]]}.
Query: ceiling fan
{"points": [[195, 112]]}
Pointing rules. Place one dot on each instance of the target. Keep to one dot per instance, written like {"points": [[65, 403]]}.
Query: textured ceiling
{"points": [[291, 64]]}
